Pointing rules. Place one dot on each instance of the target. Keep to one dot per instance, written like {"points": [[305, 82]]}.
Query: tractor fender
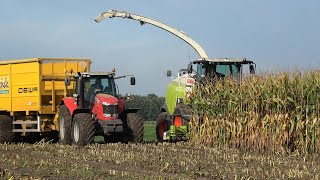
{"points": [[77, 111], [70, 103]]}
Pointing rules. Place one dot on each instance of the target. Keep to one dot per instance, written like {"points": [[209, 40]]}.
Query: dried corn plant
{"points": [[270, 112]]}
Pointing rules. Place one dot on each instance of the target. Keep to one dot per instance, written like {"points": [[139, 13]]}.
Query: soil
{"points": [[150, 161]]}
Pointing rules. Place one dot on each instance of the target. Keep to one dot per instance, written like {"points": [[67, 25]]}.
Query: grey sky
{"points": [[275, 34]]}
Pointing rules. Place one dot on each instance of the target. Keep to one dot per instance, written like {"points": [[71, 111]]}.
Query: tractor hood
{"points": [[105, 107], [106, 99]]}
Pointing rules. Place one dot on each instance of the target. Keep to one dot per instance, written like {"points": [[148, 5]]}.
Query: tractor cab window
{"points": [[109, 86], [95, 85], [98, 84], [103, 85]]}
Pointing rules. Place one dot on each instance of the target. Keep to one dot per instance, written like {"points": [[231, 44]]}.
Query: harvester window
{"points": [[201, 70], [228, 69], [223, 69]]}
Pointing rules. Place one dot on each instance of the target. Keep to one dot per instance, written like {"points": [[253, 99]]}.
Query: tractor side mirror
{"points": [[133, 81], [189, 68], [67, 81], [169, 73], [252, 69]]}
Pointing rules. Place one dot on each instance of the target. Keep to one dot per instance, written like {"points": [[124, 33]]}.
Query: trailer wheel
{"points": [[64, 125], [6, 126], [83, 129], [136, 128], [162, 125]]}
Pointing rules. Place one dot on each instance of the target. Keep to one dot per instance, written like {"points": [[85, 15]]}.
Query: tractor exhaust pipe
{"points": [[80, 90]]}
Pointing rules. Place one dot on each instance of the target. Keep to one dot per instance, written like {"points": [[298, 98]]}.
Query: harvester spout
{"points": [[104, 15], [143, 20]]}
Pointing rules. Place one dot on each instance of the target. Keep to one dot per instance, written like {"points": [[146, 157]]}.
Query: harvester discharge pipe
{"points": [[114, 13]]}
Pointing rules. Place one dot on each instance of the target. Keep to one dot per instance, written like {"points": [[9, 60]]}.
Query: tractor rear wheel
{"points": [[6, 126], [136, 128], [64, 125], [83, 129], [162, 125]]}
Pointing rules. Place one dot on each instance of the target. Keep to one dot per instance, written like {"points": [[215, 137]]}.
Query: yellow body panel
{"points": [[5, 96], [25, 90], [34, 84]]}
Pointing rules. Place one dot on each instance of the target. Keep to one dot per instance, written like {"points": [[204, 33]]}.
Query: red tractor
{"points": [[96, 108]]}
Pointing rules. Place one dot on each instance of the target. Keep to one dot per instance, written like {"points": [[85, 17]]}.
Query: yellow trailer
{"points": [[30, 92]]}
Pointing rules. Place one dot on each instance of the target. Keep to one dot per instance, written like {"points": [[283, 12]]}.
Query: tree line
{"points": [[149, 105]]}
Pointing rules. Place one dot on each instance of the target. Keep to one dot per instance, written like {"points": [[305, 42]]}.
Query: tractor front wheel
{"points": [[162, 125], [83, 129], [6, 126], [136, 128]]}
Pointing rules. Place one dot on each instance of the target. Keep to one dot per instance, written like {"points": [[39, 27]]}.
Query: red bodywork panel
{"points": [[97, 109], [71, 103], [98, 103]]}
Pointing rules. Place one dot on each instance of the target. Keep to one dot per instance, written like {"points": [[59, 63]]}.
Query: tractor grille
{"points": [[111, 110]]}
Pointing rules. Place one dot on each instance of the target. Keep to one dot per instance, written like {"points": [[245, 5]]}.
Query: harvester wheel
{"points": [[136, 128], [6, 134], [162, 125], [83, 129], [64, 125]]}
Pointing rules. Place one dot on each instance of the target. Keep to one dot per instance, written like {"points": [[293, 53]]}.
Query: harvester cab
{"points": [[221, 67], [96, 108]]}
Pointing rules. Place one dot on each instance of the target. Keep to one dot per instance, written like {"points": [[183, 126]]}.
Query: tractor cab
{"points": [[90, 87], [222, 67], [94, 84], [97, 109]]}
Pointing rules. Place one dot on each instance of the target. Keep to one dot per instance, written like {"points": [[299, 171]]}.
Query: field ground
{"points": [[149, 132], [149, 161]]}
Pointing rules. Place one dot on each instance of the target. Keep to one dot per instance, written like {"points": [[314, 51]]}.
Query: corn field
{"points": [[269, 112]]}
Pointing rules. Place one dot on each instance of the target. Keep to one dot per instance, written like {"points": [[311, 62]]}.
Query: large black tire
{"points": [[163, 124], [135, 127], [64, 126], [83, 129], [6, 126]]}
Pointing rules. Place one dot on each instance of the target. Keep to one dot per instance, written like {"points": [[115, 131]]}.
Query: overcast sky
{"points": [[274, 33]]}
